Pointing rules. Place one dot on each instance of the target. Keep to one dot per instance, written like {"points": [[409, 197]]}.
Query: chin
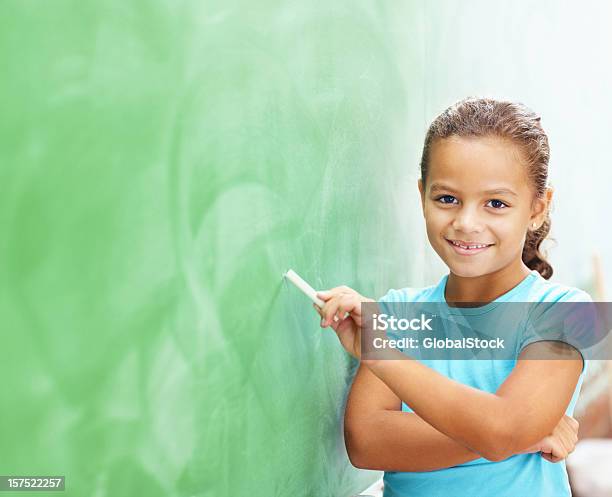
{"points": [[468, 272]]}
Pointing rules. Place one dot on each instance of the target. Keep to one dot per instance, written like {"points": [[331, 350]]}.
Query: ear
{"points": [[422, 192], [540, 208]]}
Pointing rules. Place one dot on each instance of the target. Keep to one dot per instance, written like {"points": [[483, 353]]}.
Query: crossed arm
{"points": [[525, 409], [378, 435]]}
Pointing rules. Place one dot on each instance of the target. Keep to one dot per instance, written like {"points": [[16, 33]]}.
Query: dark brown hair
{"points": [[511, 121]]}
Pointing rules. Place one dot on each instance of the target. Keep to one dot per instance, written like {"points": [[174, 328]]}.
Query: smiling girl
{"points": [[479, 427]]}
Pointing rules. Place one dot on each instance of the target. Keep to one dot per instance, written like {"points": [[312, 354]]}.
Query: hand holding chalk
{"points": [[310, 292], [344, 302], [343, 305]]}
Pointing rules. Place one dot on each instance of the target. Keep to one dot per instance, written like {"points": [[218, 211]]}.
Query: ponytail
{"points": [[532, 257]]}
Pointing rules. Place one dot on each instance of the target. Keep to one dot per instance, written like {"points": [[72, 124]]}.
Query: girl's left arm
{"points": [[525, 408]]}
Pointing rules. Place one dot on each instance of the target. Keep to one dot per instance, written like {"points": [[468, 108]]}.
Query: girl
{"points": [[479, 427]]}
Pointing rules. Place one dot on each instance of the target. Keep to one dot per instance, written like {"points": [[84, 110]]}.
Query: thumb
{"points": [[547, 456]]}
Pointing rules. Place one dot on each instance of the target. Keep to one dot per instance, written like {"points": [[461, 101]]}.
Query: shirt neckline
{"points": [[527, 280]]}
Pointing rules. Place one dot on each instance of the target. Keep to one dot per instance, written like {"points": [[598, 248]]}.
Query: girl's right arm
{"points": [[379, 436]]}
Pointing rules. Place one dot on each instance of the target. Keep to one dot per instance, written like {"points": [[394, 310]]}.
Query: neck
{"points": [[485, 288]]}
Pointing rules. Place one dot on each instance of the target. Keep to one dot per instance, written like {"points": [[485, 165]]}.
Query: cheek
{"points": [[431, 213], [435, 230], [509, 227], [436, 220]]}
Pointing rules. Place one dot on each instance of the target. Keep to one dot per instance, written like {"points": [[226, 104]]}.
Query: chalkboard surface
{"points": [[161, 165]]}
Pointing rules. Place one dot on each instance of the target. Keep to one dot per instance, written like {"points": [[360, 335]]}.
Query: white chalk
{"points": [[310, 292]]}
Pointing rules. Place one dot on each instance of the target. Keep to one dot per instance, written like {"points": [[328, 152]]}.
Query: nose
{"points": [[467, 221]]}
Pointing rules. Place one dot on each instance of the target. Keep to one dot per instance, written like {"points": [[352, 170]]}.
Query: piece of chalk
{"points": [[310, 292]]}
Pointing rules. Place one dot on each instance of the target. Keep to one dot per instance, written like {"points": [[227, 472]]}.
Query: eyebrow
{"points": [[438, 186]]}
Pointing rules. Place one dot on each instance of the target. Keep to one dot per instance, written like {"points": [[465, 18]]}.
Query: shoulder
{"points": [[548, 291]]}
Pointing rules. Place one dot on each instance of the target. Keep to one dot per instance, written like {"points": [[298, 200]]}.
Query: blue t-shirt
{"points": [[520, 475]]}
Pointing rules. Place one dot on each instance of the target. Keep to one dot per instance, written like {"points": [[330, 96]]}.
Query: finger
{"points": [[325, 295], [346, 306], [343, 310], [570, 426], [568, 435], [573, 422], [329, 310], [551, 458], [332, 292], [558, 450], [333, 319], [568, 446], [546, 456], [336, 323], [320, 312], [341, 293]]}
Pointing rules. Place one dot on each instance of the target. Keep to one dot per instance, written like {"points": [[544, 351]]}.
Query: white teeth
{"points": [[468, 247]]}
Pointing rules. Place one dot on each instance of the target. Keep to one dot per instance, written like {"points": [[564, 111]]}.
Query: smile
{"points": [[469, 249]]}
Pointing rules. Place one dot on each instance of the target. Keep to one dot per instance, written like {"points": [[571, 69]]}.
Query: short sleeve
{"points": [[571, 319]]}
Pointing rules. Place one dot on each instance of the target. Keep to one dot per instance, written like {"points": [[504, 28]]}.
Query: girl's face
{"points": [[478, 193]]}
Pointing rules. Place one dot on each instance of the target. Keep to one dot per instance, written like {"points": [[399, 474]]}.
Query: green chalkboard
{"points": [[161, 165]]}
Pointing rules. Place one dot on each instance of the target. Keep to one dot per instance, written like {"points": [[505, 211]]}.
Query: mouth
{"points": [[473, 248]]}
